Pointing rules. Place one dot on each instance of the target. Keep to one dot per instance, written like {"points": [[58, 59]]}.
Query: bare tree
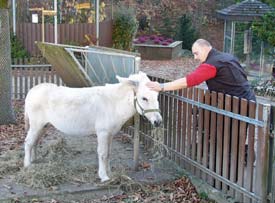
{"points": [[6, 110]]}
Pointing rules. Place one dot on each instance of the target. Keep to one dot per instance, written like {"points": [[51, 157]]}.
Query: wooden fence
{"points": [[221, 139], [25, 76], [28, 33]]}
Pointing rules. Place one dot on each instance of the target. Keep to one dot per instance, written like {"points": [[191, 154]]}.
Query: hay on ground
{"points": [[10, 162], [56, 166]]}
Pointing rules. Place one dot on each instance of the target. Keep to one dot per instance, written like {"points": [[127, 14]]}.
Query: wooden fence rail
{"points": [[24, 77]]}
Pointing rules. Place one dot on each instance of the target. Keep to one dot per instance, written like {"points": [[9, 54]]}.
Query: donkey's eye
{"points": [[144, 99]]}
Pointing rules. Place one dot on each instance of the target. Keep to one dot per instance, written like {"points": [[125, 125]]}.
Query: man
{"points": [[221, 71]]}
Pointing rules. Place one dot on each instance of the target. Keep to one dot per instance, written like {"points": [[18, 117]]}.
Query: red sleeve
{"points": [[201, 74]]}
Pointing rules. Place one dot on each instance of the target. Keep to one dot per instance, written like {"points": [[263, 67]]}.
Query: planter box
{"points": [[159, 52]]}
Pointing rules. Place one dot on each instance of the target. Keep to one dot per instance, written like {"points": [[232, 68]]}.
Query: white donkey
{"points": [[84, 111]]}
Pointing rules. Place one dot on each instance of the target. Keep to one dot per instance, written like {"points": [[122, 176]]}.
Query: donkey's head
{"points": [[145, 100]]}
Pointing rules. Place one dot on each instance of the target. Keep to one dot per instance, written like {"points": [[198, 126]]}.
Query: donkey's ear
{"points": [[133, 83], [121, 79], [141, 73], [143, 76]]}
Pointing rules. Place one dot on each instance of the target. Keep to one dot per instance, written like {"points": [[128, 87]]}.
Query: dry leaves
{"points": [[12, 136], [181, 190]]}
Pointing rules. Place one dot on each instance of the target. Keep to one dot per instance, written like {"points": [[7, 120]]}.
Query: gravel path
{"points": [[169, 69]]}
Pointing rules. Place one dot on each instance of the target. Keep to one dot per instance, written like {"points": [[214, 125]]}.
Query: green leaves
{"points": [[186, 32], [265, 28], [3, 4], [124, 28], [17, 49]]}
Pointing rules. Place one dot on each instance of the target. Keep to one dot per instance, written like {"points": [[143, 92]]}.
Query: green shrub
{"points": [[167, 27], [4, 4], [269, 2], [143, 23], [124, 28], [17, 49], [265, 28], [203, 195], [185, 32]]}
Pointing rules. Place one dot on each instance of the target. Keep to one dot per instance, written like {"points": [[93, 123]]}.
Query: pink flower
{"points": [[165, 43], [146, 37], [157, 41], [152, 37], [161, 38], [169, 40], [142, 40]]}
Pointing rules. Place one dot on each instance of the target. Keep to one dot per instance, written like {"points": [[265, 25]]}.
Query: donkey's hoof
{"points": [[105, 179], [27, 164]]}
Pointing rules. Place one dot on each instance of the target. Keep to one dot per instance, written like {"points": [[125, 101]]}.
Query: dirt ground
{"points": [[66, 168], [66, 171]]}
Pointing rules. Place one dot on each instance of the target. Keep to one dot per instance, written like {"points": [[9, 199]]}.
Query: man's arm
{"points": [[173, 85], [201, 74]]}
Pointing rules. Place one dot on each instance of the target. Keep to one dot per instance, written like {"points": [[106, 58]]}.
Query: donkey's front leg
{"points": [[110, 140], [102, 150]]}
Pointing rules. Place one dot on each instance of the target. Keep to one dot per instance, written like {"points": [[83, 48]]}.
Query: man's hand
{"points": [[167, 86], [155, 86]]}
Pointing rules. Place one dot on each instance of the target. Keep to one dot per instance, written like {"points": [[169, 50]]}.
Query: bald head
{"points": [[200, 49], [202, 43]]}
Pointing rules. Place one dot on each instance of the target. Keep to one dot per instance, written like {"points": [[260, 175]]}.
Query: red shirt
{"points": [[202, 73]]}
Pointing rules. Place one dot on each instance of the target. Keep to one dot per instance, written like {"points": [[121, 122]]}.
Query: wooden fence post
{"points": [[272, 156], [272, 189], [136, 140], [262, 153]]}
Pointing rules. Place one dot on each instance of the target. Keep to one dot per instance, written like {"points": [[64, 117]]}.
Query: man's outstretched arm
{"points": [[202, 73]]}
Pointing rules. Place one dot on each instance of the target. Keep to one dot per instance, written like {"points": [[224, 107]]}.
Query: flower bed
{"points": [[153, 40], [157, 47]]}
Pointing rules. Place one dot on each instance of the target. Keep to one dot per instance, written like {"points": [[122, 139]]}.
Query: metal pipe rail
{"points": [[217, 110], [209, 172]]}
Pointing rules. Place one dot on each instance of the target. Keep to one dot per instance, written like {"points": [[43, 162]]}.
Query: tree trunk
{"points": [[6, 110]]}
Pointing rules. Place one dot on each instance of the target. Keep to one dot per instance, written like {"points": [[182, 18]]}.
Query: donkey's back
{"points": [[70, 110]]}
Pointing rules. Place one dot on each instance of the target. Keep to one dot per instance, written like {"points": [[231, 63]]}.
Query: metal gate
{"points": [[89, 66]]}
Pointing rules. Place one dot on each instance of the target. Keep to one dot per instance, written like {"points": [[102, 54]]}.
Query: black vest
{"points": [[230, 78]]}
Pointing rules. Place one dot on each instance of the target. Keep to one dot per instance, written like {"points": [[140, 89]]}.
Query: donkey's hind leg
{"points": [[30, 144], [102, 150]]}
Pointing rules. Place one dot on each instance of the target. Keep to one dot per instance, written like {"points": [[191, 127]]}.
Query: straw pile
{"points": [[56, 166], [10, 162]]}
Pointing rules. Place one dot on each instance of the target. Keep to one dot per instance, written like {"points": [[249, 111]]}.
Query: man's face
{"points": [[200, 53]]}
